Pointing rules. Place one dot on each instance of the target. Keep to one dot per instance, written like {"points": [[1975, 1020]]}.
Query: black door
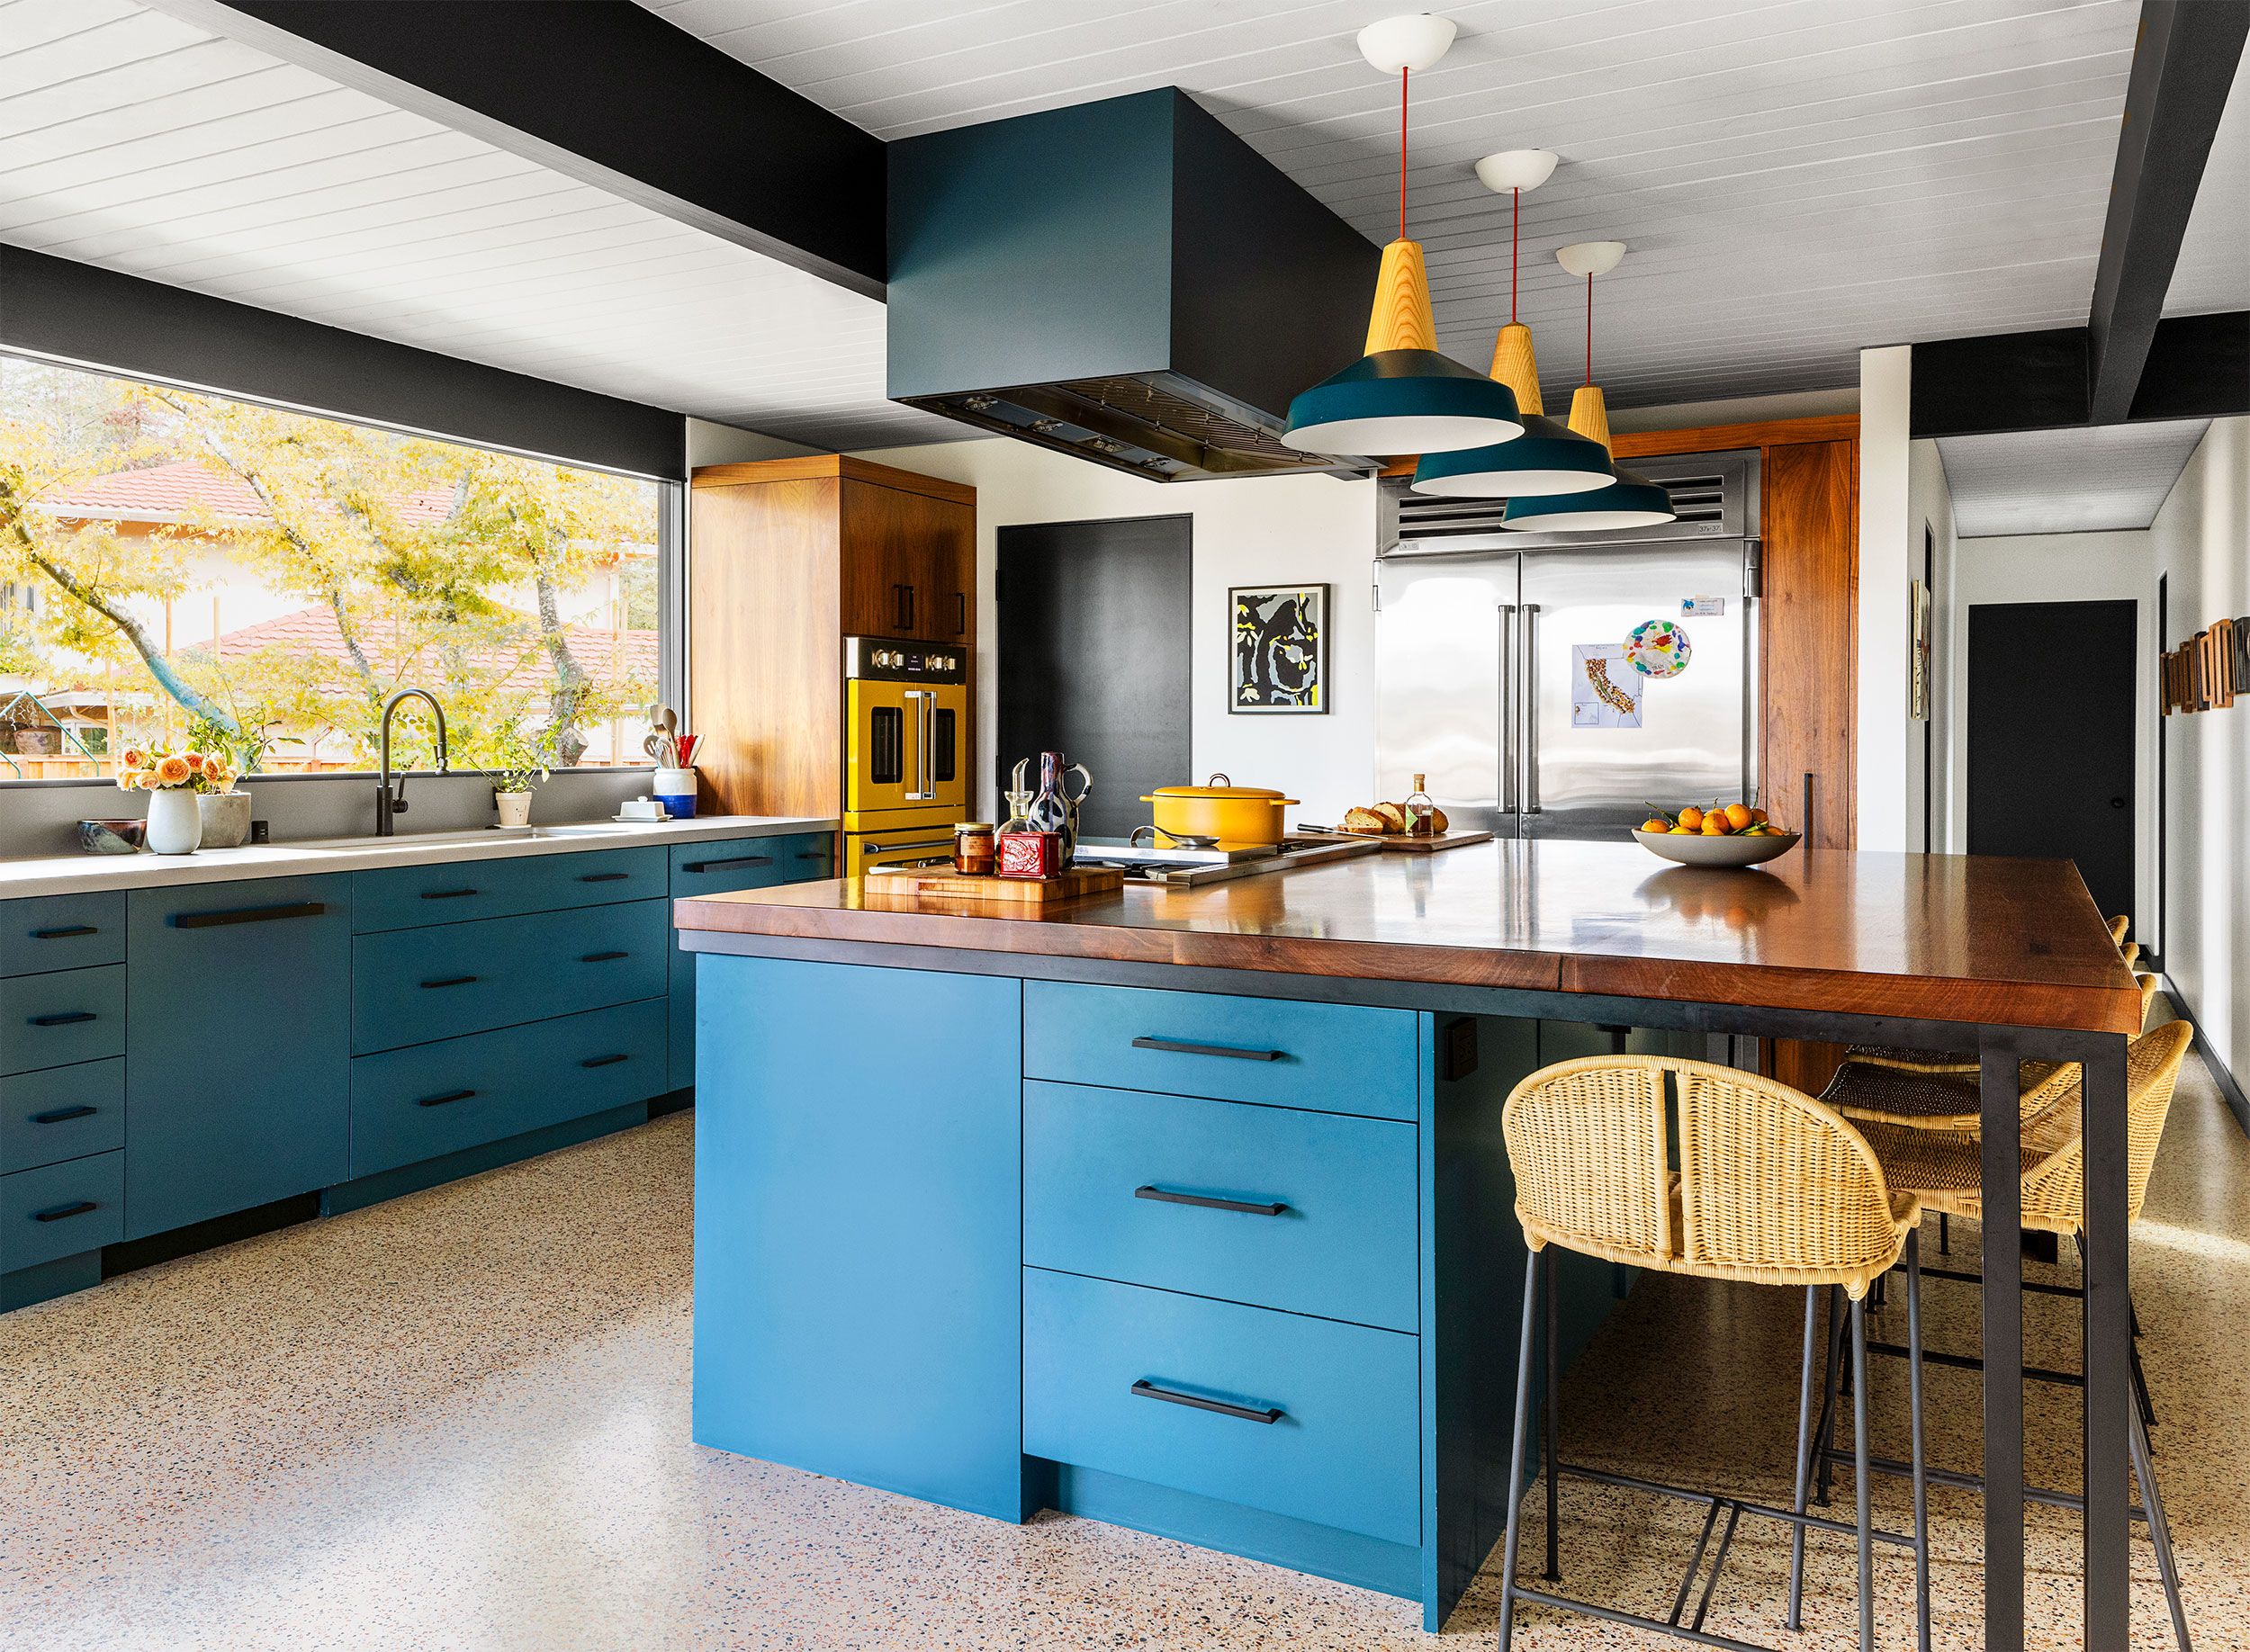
{"points": [[2050, 738], [1094, 656]]}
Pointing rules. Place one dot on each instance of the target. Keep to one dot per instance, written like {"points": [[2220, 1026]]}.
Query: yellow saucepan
{"points": [[1235, 815]]}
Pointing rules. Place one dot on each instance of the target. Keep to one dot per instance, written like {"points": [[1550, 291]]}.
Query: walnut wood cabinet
{"points": [[787, 558]]}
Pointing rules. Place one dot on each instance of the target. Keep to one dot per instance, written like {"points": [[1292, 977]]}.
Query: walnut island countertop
{"points": [[1941, 937]]}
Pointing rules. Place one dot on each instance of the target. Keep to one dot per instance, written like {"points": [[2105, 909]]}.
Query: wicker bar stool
{"points": [[1773, 1188], [1943, 1172]]}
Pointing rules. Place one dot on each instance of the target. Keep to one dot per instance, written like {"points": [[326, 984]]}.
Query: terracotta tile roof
{"points": [[168, 492], [612, 659]]}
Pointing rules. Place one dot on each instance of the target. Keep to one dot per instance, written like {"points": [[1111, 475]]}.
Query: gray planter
{"points": [[226, 819]]}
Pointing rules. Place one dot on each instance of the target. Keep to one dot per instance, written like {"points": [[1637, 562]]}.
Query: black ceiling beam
{"points": [[2184, 66], [2197, 367], [610, 93]]}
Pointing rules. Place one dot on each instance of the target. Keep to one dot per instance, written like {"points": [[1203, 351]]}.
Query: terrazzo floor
{"points": [[460, 1421]]}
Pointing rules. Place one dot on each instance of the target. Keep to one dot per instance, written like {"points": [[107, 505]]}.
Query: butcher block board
{"points": [[1399, 843], [944, 883]]}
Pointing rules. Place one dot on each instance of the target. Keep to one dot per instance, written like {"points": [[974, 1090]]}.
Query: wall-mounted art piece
{"points": [[1279, 652], [1917, 655], [2208, 670]]}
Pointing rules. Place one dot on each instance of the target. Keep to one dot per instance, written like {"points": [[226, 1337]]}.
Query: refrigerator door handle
{"points": [[1508, 708], [1531, 708]]}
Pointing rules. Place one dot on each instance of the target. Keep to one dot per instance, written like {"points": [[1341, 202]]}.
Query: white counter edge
{"points": [[53, 875]]}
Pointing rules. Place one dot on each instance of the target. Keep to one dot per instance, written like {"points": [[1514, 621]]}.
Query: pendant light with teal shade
{"points": [[1547, 458], [1629, 502], [1401, 396]]}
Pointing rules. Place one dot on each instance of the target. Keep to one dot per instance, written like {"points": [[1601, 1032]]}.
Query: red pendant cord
{"points": [[1589, 327], [1515, 252], [1402, 130]]}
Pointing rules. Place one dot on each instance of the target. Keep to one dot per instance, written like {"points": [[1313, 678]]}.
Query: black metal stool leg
{"points": [[1831, 1401], [1517, 1438], [1919, 1460], [2159, 1533], [1860, 1474], [1553, 1435], [1805, 1457]]}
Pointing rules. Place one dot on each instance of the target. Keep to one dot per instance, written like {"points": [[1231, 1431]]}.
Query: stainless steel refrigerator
{"points": [[1501, 658]]}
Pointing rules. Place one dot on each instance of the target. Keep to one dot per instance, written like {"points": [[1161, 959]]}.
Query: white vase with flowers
{"points": [[174, 781]]}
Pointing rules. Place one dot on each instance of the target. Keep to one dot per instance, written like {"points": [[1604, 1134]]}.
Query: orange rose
{"points": [[173, 771], [193, 760], [134, 757]]}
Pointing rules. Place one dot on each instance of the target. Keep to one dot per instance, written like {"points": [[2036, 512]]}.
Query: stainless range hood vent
{"points": [[1715, 495]]}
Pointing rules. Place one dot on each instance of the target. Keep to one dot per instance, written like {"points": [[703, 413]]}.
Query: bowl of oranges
{"points": [[1714, 835]]}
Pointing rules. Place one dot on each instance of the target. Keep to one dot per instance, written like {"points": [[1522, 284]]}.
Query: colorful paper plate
{"points": [[1657, 648]]}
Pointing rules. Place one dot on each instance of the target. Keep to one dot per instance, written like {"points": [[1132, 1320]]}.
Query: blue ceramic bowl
{"points": [[112, 836]]}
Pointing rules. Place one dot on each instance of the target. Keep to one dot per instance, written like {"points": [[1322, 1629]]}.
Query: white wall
{"points": [[2201, 540], [2054, 568], [1263, 530], [1885, 763]]}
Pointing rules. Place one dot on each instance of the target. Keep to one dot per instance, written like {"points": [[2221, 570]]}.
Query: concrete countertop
{"points": [[50, 875]]}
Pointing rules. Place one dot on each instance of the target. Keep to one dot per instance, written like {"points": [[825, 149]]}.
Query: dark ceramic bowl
{"points": [[112, 836]]}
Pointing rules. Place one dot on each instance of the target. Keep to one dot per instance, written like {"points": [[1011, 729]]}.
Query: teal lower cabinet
{"points": [[59, 1210], [722, 868], [858, 1278], [237, 1046], [421, 1103], [1239, 1271]]}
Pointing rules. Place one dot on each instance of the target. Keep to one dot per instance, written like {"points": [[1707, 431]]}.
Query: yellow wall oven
{"points": [[906, 725]]}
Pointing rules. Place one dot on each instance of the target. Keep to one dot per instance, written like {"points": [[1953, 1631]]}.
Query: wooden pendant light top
{"points": [[1401, 318], [1515, 365], [1589, 414]]}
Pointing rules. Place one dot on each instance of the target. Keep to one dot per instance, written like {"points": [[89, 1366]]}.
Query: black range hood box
{"points": [[1126, 281]]}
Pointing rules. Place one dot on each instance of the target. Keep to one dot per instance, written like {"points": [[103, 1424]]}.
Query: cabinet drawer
{"points": [[460, 891], [72, 931], [61, 1113], [415, 1104], [1337, 1058], [53, 1021], [1109, 1175], [61, 1209], [415, 986], [1344, 1450]]}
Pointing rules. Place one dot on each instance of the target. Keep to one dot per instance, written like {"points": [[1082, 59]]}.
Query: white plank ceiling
{"points": [[2065, 481], [1796, 179], [133, 140]]}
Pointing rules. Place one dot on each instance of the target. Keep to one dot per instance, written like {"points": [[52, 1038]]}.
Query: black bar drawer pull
{"points": [[62, 1113], [603, 877], [1145, 1389], [57, 1212], [603, 1061], [65, 934], [248, 915], [451, 1095], [1165, 1195], [448, 981], [603, 957], [1178, 1048], [446, 894], [64, 1019], [814, 854], [739, 860]]}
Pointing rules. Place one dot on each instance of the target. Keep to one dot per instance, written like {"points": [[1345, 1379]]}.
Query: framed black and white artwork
{"points": [[1278, 648]]}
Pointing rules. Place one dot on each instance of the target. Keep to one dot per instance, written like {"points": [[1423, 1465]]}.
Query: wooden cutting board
{"points": [[1400, 843], [944, 883]]}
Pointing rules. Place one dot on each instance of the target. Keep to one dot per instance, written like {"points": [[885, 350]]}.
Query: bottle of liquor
{"points": [[1420, 810]]}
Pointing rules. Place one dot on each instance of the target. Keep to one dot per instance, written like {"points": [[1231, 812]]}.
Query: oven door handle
{"points": [[918, 788]]}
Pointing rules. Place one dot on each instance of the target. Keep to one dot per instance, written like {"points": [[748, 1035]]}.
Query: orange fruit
{"points": [[1682, 831], [1656, 824], [1714, 825], [1738, 815], [1691, 817], [1758, 817]]}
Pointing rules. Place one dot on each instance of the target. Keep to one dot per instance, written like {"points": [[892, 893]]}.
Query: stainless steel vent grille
{"points": [[1714, 495]]}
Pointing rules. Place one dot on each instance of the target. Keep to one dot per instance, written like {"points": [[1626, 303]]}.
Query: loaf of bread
{"points": [[1394, 817], [1364, 820]]}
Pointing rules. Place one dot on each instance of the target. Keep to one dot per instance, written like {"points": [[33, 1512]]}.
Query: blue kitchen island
{"points": [[1189, 1210]]}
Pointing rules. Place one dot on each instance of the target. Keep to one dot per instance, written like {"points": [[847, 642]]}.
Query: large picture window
{"points": [[180, 570]]}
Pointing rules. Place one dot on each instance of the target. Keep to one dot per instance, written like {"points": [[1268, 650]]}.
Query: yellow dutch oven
{"points": [[1237, 816]]}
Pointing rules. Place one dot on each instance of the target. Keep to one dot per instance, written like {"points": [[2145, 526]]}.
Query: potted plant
{"points": [[518, 763], [177, 783]]}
